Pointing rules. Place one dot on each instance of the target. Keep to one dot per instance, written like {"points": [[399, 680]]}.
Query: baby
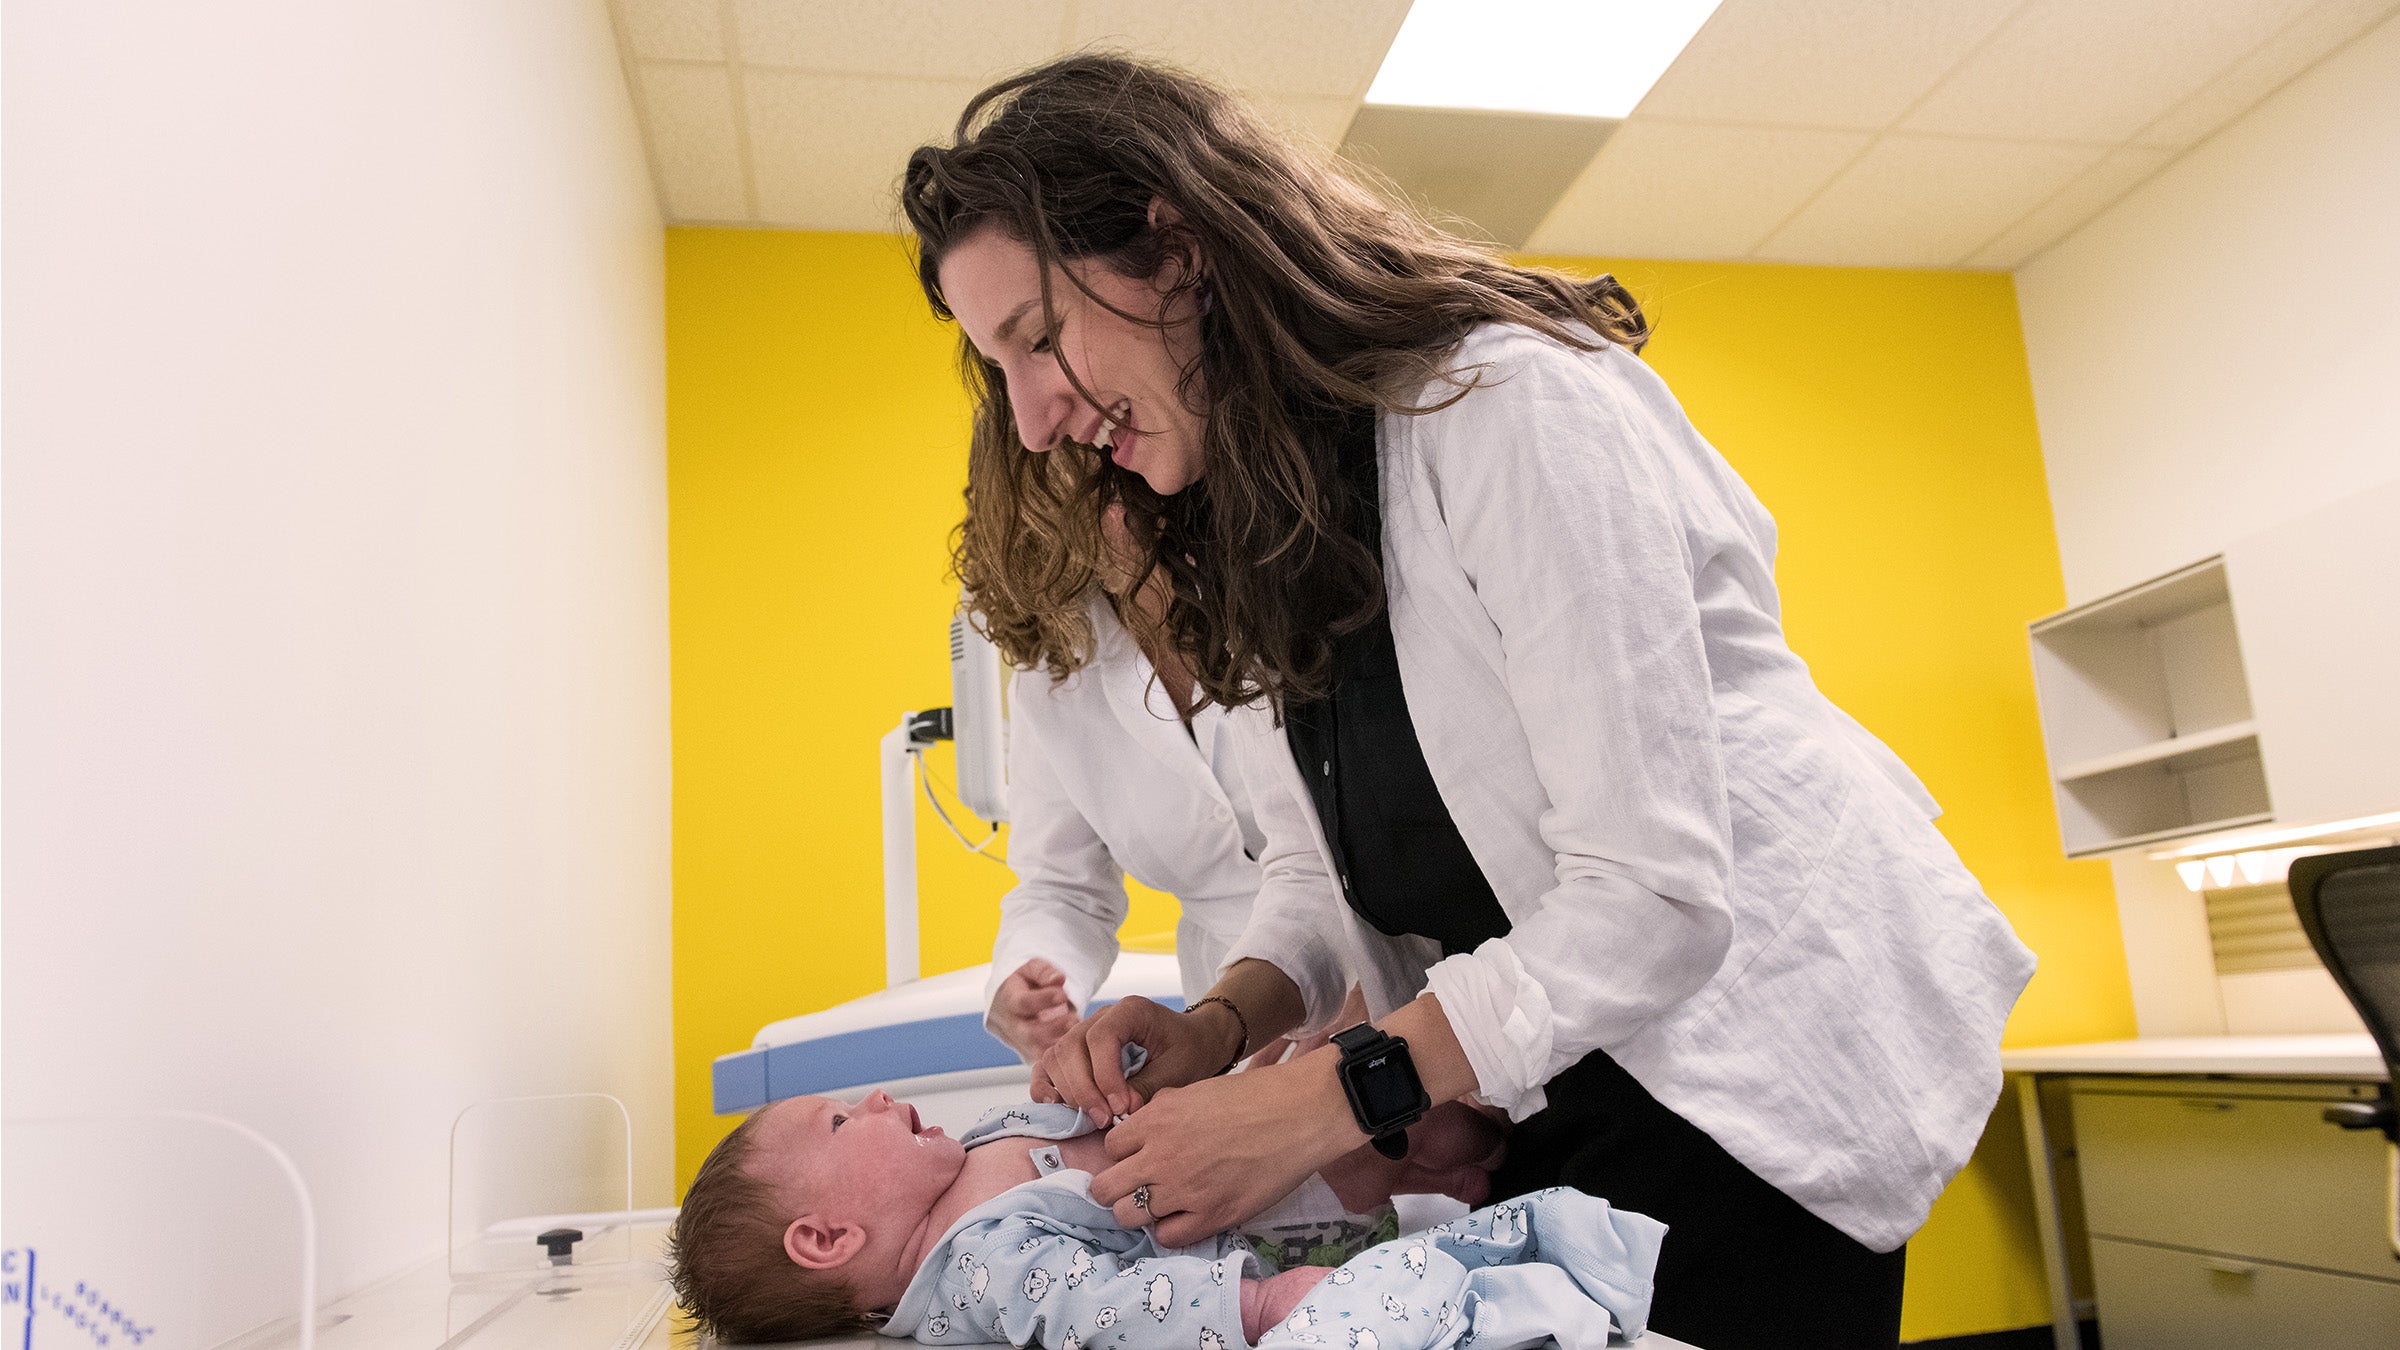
{"points": [[814, 1213], [817, 1215]]}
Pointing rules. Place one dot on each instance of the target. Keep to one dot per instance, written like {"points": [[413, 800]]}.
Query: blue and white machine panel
{"points": [[926, 1036]]}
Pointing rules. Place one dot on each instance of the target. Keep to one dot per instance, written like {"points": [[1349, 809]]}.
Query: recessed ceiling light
{"points": [[1579, 58]]}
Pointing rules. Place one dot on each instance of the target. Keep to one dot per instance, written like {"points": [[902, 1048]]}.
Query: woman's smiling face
{"points": [[993, 284]]}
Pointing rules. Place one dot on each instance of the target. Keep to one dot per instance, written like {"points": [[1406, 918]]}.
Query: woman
{"points": [[1548, 781]]}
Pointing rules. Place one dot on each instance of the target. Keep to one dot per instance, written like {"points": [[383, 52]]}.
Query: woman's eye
{"points": [[1041, 345]]}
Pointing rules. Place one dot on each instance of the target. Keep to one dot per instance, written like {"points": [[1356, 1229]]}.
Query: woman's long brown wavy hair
{"points": [[1317, 298]]}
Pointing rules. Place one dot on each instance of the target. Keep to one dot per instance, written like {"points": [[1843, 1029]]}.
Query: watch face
{"points": [[1386, 1088]]}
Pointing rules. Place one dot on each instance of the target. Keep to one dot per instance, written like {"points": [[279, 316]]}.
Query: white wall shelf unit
{"points": [[2146, 714], [2259, 685]]}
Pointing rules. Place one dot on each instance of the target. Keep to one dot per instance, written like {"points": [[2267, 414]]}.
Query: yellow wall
{"points": [[815, 436]]}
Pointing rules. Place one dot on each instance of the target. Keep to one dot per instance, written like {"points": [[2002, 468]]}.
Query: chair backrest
{"points": [[2349, 904]]}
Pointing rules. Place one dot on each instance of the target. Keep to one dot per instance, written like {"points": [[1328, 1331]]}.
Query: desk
{"points": [[2343, 1057]]}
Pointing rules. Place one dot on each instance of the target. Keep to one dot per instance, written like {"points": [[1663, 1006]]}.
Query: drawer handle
{"points": [[2227, 1266], [2206, 1104]]}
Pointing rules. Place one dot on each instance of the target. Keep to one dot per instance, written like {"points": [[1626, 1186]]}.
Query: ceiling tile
{"points": [[2261, 73], [2075, 70], [978, 40], [828, 150], [1824, 63], [1327, 49], [1918, 201], [673, 30], [689, 112], [1692, 190], [2091, 192]]}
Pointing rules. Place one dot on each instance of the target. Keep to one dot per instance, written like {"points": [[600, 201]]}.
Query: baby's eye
{"points": [[837, 1121]]}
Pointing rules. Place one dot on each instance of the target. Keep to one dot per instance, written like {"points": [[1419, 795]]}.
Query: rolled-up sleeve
{"points": [[1069, 899], [1561, 506]]}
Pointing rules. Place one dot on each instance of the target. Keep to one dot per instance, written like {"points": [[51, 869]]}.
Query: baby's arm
{"points": [[1269, 1301]]}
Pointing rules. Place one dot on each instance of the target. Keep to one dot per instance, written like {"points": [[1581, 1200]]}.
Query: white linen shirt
{"points": [[1710, 871], [1104, 781]]}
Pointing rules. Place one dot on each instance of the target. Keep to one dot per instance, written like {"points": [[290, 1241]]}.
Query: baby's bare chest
{"points": [[995, 1167]]}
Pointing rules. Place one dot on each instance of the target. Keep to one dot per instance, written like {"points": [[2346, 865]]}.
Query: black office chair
{"points": [[2349, 903]]}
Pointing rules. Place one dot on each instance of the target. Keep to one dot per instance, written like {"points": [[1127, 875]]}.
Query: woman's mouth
{"points": [[1116, 437]]}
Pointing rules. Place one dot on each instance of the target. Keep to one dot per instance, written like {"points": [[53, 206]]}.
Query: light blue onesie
{"points": [[1045, 1264]]}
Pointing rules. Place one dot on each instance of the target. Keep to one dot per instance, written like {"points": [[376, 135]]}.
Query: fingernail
{"points": [[1116, 1103]]}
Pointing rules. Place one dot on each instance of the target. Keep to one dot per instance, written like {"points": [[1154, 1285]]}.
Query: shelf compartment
{"points": [[2173, 747], [2146, 714]]}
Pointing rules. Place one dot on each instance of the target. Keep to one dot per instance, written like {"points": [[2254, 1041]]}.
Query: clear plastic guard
{"points": [[566, 1158], [160, 1230]]}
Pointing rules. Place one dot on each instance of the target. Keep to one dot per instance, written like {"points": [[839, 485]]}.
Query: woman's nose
{"points": [[1037, 430], [1042, 401]]}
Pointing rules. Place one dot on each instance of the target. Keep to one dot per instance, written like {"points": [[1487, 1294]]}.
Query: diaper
{"points": [[1309, 1227]]}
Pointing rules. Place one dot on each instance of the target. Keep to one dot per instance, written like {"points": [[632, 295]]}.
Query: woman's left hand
{"points": [[1223, 1150]]}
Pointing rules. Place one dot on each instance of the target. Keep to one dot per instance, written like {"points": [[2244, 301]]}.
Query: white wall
{"points": [[2217, 353], [336, 611], [2213, 356]]}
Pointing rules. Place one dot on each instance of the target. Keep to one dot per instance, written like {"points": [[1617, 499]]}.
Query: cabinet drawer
{"points": [[2252, 1175], [2154, 1299]]}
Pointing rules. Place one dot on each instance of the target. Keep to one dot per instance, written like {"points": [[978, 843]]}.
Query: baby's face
{"points": [[859, 1158]]}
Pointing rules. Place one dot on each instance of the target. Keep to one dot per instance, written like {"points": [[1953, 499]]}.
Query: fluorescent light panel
{"points": [[1578, 58]]}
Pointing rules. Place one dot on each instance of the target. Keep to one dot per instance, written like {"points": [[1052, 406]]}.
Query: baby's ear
{"points": [[819, 1243]]}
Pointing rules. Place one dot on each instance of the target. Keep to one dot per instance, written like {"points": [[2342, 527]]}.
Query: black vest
{"points": [[1397, 855]]}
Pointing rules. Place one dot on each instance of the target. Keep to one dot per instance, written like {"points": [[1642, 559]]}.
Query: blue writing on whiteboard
{"points": [[79, 1312]]}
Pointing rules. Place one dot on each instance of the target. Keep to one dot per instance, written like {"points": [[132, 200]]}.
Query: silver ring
{"points": [[1141, 1198]]}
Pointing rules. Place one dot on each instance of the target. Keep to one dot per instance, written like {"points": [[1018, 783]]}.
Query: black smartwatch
{"points": [[1381, 1082]]}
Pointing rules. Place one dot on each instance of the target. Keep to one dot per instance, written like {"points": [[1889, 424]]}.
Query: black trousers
{"points": [[1744, 1266]]}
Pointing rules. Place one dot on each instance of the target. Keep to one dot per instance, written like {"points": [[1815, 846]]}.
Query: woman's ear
{"points": [[819, 1243], [1185, 257]]}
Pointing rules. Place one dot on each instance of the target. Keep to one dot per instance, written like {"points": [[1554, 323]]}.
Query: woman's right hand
{"points": [[1084, 1068], [1031, 1010]]}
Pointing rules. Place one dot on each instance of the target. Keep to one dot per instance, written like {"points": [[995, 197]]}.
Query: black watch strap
{"points": [[1381, 1083], [1364, 1034]]}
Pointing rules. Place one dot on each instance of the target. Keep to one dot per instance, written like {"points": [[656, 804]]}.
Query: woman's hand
{"points": [[1085, 1068], [1221, 1151], [1031, 1010]]}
